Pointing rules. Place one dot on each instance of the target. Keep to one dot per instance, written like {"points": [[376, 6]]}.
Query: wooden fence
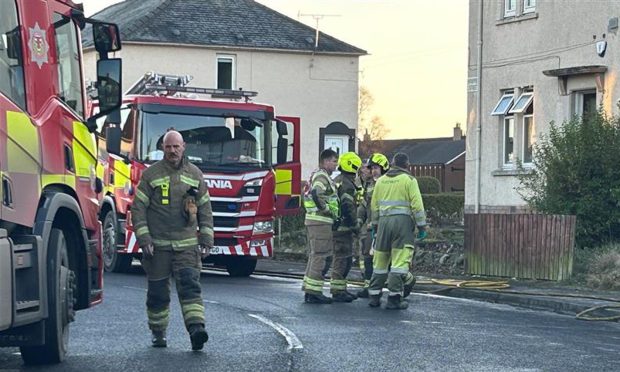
{"points": [[529, 246]]}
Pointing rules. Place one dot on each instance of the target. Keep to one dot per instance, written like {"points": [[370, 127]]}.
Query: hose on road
{"points": [[584, 315]]}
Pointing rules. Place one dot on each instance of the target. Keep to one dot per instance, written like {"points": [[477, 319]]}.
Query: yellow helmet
{"points": [[349, 162], [380, 160]]}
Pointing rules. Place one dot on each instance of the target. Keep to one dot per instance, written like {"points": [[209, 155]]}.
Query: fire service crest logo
{"points": [[38, 45]]}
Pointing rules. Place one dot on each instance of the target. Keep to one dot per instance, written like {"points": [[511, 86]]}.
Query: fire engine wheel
{"points": [[112, 260], [61, 300], [240, 266]]}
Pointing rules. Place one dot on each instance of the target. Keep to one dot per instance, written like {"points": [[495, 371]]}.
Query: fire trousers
{"points": [[321, 246], [185, 266], [342, 260], [393, 255], [365, 242]]}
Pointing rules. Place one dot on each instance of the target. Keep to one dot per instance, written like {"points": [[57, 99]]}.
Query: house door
{"points": [[338, 143]]}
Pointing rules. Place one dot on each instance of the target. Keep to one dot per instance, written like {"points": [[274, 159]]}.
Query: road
{"points": [[262, 324]]}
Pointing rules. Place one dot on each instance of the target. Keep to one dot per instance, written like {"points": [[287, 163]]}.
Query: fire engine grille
{"points": [[225, 221], [225, 207], [225, 242]]}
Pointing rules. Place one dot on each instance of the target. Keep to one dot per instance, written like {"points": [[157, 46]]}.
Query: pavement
{"points": [[535, 295]]}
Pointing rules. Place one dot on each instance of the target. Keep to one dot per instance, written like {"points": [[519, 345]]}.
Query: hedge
{"points": [[441, 209], [428, 185], [445, 208]]}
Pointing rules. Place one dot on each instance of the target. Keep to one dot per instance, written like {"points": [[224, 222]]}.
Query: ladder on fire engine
{"points": [[168, 85]]}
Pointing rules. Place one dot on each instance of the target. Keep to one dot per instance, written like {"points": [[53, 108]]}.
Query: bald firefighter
{"points": [[173, 222], [322, 210], [378, 165], [397, 208], [346, 227]]}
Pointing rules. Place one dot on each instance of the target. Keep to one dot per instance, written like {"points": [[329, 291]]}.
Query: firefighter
{"points": [[171, 204], [346, 227], [396, 208], [378, 165], [322, 210]]}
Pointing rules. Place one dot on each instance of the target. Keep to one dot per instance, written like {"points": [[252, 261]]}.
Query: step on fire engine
{"points": [[250, 159], [50, 236]]}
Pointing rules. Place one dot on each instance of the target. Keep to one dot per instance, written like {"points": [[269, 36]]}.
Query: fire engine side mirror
{"points": [[113, 140], [109, 82], [106, 37], [281, 128]]}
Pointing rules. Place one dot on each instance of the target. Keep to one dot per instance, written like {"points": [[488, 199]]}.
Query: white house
{"points": [[244, 44], [531, 62]]}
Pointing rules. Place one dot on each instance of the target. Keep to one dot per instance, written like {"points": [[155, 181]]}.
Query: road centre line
{"points": [[291, 339]]}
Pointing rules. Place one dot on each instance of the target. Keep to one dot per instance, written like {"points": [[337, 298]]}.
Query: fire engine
{"points": [[250, 159], [50, 237]]}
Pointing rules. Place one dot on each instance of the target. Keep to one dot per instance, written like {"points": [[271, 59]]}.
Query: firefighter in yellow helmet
{"points": [[378, 165], [346, 227], [397, 208], [322, 211]]}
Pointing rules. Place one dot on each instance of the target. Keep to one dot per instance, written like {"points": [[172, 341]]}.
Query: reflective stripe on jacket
{"points": [[324, 188], [158, 210], [397, 193]]}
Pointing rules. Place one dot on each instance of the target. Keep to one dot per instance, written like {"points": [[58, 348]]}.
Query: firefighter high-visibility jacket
{"points": [[321, 201], [159, 213], [397, 193], [347, 190]]}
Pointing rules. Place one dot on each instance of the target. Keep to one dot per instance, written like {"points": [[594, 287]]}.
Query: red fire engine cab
{"points": [[250, 159], [50, 237]]}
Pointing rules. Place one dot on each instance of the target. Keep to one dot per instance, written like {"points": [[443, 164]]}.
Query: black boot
{"points": [[396, 303], [311, 298], [352, 295], [343, 296], [159, 339], [198, 335], [363, 293], [375, 300], [408, 288]]}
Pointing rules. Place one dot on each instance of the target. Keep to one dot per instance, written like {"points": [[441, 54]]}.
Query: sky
{"points": [[416, 69]]}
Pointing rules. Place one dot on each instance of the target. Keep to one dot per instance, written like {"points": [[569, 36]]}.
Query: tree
{"points": [[576, 172], [373, 130]]}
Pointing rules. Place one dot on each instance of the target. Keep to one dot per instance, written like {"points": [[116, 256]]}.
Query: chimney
{"points": [[366, 136], [458, 132]]}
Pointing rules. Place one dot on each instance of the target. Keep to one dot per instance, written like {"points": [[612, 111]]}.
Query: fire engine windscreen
{"points": [[210, 141]]}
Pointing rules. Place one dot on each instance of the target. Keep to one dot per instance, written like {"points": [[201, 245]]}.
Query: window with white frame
{"points": [[516, 120], [509, 138], [529, 135], [504, 104], [510, 8], [529, 6], [583, 102], [225, 74]]}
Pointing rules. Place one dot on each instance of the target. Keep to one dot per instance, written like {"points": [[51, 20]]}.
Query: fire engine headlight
{"points": [[258, 243], [254, 183], [263, 227]]}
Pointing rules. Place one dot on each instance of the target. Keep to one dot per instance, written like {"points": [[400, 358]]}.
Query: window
{"points": [[509, 136], [503, 104], [11, 62], [584, 102], [517, 132], [278, 140], [225, 72], [529, 6], [529, 135], [510, 8], [69, 70], [522, 103]]}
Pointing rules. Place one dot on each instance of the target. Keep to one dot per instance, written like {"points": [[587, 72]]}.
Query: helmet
{"points": [[349, 162], [380, 160]]}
